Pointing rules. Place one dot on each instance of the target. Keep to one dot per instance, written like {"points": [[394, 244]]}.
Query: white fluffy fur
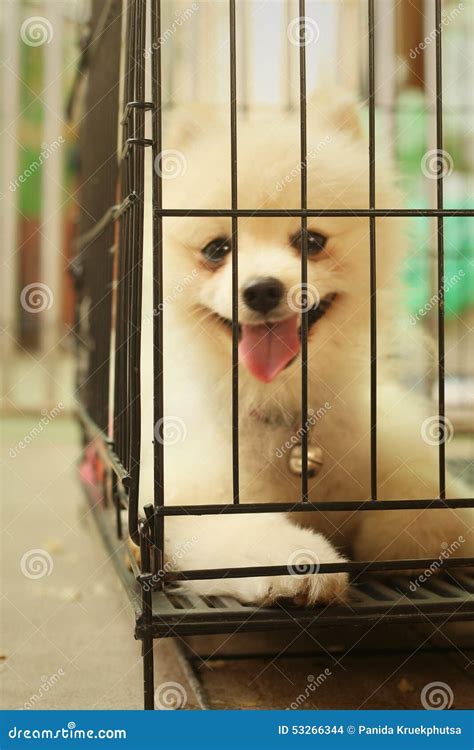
{"points": [[197, 359]]}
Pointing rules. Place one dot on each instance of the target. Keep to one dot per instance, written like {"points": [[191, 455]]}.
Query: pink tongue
{"points": [[267, 349]]}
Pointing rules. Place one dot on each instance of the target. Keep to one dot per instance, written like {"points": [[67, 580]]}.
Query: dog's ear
{"points": [[338, 108], [184, 123]]}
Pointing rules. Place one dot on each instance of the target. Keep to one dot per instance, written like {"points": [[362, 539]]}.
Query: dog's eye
{"points": [[316, 241], [217, 249]]}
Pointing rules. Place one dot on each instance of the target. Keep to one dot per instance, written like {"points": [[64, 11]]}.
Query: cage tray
{"points": [[443, 597]]}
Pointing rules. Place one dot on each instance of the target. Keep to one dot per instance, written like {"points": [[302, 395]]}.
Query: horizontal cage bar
{"points": [[299, 213], [312, 569], [329, 505]]}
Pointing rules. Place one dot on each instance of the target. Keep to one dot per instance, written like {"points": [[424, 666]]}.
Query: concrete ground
{"points": [[67, 625]]}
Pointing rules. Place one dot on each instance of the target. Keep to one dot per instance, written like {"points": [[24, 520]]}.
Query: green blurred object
{"points": [[419, 274], [32, 113], [31, 119], [410, 126], [30, 190], [459, 263]]}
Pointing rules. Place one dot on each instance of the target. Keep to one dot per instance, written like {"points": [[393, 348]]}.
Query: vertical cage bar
{"points": [[129, 240], [147, 609], [157, 190], [129, 232], [120, 385], [373, 258], [304, 254], [120, 374], [440, 242], [137, 157], [235, 253]]}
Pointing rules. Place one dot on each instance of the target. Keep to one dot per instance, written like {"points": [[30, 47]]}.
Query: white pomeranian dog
{"points": [[197, 310]]}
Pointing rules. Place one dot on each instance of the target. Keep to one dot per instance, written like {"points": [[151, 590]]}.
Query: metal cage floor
{"points": [[444, 597], [447, 597]]}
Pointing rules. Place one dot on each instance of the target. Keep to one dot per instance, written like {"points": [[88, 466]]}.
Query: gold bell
{"points": [[315, 460]]}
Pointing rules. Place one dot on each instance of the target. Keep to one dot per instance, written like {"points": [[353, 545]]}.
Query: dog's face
{"points": [[269, 266]]}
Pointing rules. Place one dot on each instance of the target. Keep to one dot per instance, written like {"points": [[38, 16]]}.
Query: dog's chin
{"points": [[314, 315]]}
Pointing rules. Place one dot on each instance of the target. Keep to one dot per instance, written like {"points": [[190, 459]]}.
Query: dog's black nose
{"points": [[263, 294]]}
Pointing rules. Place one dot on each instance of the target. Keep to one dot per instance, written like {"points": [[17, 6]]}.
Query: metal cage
{"points": [[108, 277]]}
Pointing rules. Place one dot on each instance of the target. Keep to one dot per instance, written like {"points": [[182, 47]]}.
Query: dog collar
{"points": [[295, 453]]}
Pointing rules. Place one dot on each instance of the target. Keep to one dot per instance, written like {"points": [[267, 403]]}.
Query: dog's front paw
{"points": [[306, 586], [307, 590], [299, 590], [302, 552]]}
